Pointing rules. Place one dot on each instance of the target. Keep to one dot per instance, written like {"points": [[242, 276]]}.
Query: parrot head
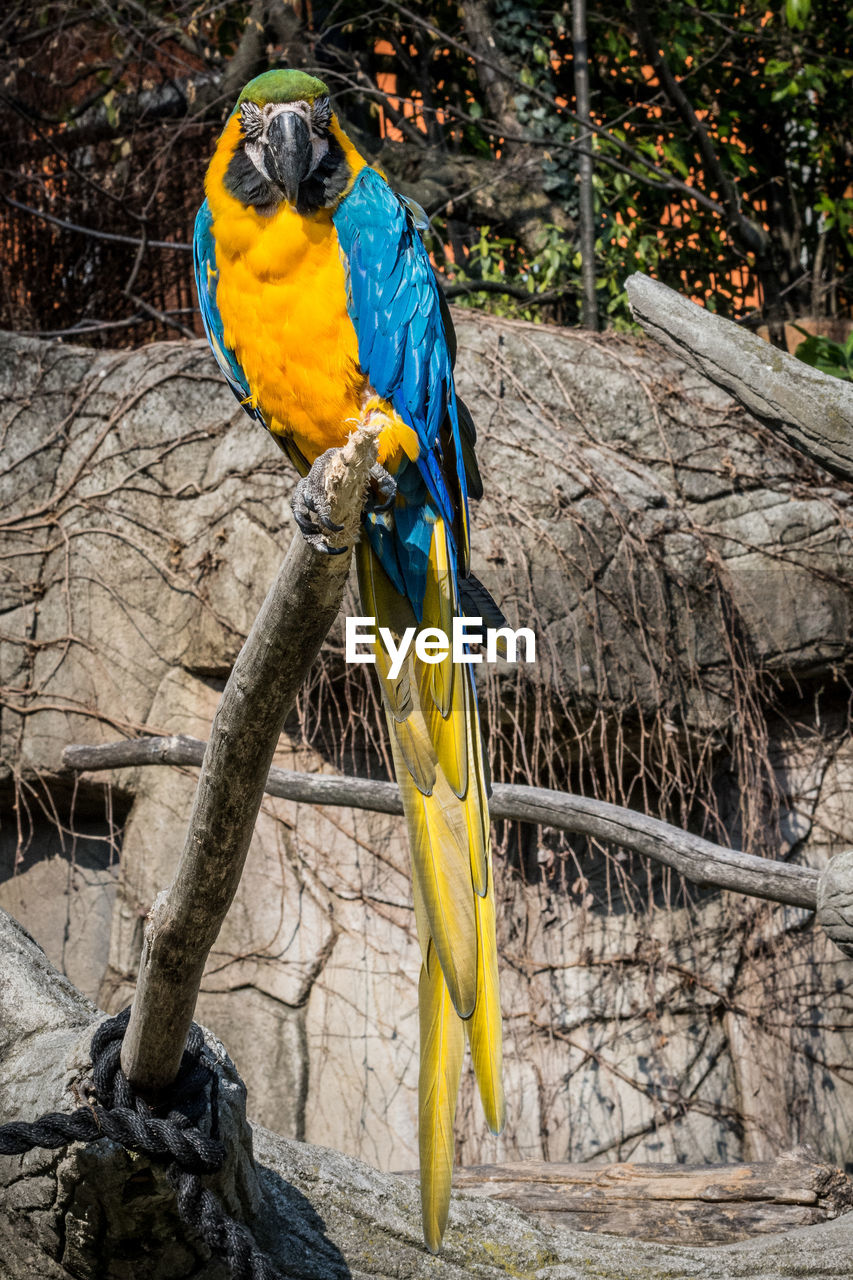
{"points": [[289, 144]]}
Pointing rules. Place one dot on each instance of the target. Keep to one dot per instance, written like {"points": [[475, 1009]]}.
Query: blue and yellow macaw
{"points": [[320, 306]]}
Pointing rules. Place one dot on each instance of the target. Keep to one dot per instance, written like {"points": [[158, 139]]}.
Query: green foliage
{"points": [[769, 83], [496, 259], [835, 358], [797, 13], [491, 151]]}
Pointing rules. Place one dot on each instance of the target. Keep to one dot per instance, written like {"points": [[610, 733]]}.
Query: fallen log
{"points": [[670, 1203]]}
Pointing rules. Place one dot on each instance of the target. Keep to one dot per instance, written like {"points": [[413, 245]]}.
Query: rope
{"points": [[117, 1113]]}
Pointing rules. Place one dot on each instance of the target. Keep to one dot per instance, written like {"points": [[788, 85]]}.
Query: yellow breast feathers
{"points": [[282, 296]]}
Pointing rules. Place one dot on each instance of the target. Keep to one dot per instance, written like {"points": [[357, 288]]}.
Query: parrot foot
{"points": [[311, 509], [383, 489]]}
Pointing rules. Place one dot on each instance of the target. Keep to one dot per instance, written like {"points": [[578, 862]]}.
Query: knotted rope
{"points": [[117, 1113]]}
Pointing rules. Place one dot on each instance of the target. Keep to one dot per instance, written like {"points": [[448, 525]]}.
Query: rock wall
{"points": [[689, 582]]}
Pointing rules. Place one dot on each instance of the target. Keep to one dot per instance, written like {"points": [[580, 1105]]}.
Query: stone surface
{"points": [[105, 1216], [688, 578], [64, 890], [90, 1209]]}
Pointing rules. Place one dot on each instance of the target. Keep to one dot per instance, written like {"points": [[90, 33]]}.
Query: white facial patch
{"points": [[256, 121]]}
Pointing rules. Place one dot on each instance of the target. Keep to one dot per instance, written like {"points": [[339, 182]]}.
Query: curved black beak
{"points": [[288, 152]]}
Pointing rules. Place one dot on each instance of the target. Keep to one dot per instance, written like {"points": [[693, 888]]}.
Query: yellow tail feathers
{"points": [[442, 1047], [436, 747], [484, 1026]]}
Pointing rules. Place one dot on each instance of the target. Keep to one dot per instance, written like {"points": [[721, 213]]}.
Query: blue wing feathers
{"points": [[206, 275], [394, 296], [394, 304]]}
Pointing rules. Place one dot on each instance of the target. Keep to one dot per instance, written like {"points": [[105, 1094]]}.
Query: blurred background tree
{"points": [[720, 144]]}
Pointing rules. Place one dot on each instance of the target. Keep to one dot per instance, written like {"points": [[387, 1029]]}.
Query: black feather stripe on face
{"points": [[248, 185], [321, 114], [251, 120]]}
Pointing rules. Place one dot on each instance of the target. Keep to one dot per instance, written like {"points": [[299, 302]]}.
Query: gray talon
{"points": [[321, 511], [319, 543], [311, 509], [385, 489]]}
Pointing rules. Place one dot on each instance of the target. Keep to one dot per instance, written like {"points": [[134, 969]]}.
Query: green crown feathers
{"points": [[282, 86]]}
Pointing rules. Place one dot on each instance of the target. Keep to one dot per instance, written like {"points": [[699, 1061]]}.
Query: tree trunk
{"points": [[580, 62], [809, 409]]}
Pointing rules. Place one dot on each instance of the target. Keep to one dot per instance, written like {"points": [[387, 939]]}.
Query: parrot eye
{"points": [[251, 120], [321, 113]]}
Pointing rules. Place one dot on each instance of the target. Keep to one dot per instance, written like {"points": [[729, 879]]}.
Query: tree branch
{"points": [[93, 231], [496, 76], [812, 411], [586, 199], [698, 860], [753, 237], [667, 179], [287, 634], [462, 288]]}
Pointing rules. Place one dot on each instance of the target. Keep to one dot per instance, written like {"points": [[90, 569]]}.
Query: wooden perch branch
{"points": [[810, 410], [698, 860], [184, 921]]}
